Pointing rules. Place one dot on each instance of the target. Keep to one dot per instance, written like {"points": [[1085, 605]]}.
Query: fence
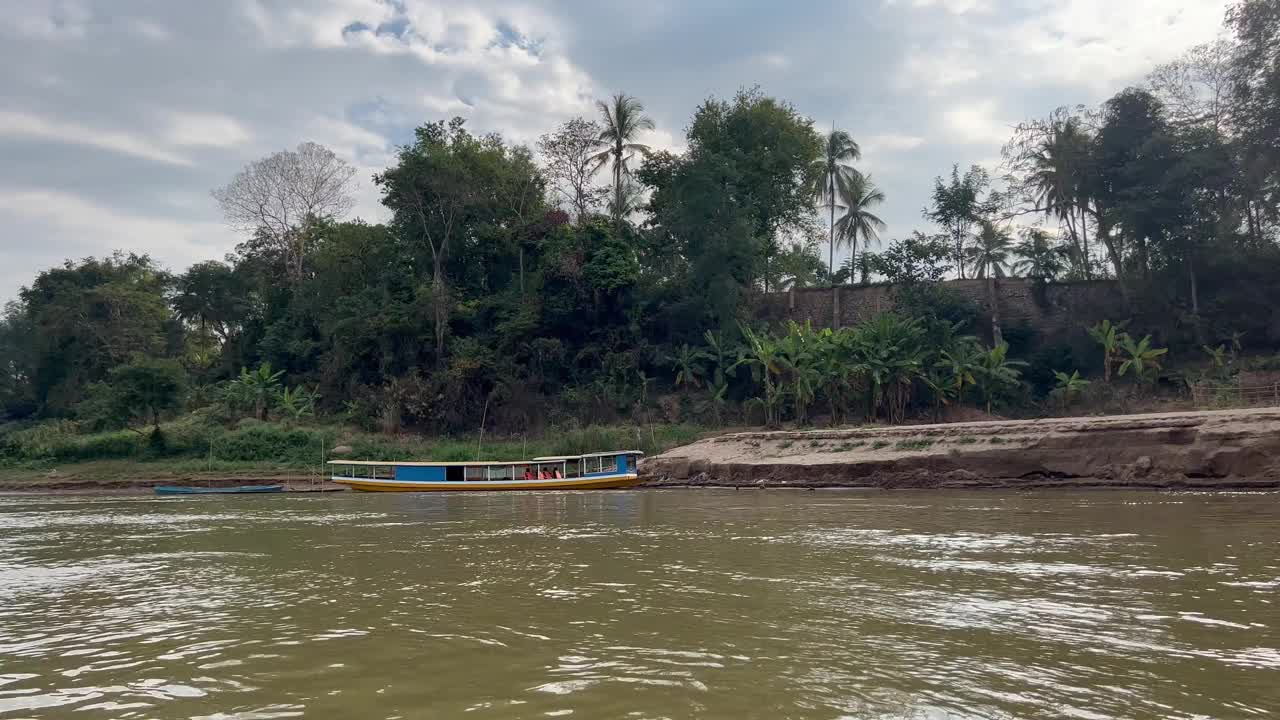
{"points": [[1237, 395]]}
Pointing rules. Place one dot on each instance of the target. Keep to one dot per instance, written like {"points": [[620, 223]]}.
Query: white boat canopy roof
{"points": [[476, 463]]}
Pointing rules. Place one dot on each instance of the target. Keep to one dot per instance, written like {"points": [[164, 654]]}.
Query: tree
{"points": [[1256, 95], [1041, 259], [918, 259], [447, 188], [796, 266], [570, 157], [147, 388], [210, 295], [84, 319], [273, 198], [837, 177], [858, 223], [989, 257], [958, 206], [1196, 88], [624, 119]]}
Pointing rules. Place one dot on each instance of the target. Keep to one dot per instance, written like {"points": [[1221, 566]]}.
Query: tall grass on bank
{"points": [[192, 440]]}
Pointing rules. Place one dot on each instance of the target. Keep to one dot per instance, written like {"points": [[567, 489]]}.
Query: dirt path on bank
{"points": [[1225, 449]]}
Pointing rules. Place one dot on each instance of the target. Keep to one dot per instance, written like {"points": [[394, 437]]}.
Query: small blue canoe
{"points": [[189, 490]]}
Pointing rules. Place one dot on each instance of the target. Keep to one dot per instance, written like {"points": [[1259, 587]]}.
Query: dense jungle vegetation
{"points": [[592, 281]]}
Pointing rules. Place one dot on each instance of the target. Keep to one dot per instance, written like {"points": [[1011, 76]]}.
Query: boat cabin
{"points": [[559, 467]]}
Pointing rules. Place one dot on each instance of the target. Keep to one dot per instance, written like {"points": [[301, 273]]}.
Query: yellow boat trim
{"points": [[599, 483]]}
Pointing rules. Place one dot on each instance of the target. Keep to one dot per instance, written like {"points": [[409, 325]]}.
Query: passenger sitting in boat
{"points": [[559, 475], [528, 474]]}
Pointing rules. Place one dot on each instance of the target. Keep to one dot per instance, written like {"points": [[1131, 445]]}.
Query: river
{"points": [[645, 604]]}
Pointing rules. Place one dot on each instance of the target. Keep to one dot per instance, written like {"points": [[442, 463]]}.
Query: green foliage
{"points": [[254, 391], [1141, 358], [1068, 387], [297, 403], [147, 388], [997, 375], [1111, 337]]}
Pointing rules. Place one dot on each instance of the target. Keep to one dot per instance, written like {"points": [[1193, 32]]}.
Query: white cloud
{"points": [[72, 227], [955, 7], [1099, 43], [975, 123], [193, 129], [49, 20], [890, 143], [20, 125]]}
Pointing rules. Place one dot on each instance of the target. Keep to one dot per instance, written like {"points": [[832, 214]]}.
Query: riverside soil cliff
{"points": [[1229, 449]]}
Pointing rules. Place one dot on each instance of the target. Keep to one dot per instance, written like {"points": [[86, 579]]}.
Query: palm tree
{"points": [[990, 258], [624, 119], [858, 222], [1059, 182], [836, 175], [1040, 258]]}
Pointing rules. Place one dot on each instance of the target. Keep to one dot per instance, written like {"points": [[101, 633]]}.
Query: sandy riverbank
{"points": [[1228, 449]]}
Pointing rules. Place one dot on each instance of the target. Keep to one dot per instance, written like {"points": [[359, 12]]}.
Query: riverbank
{"points": [[129, 477], [1219, 450], [54, 458]]}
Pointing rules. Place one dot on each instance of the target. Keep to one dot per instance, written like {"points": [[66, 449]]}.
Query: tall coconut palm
{"points": [[623, 117], [859, 224], [1059, 182], [836, 175], [990, 259]]}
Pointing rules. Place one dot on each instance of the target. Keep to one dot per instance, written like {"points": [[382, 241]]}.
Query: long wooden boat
{"points": [[592, 471], [191, 490]]}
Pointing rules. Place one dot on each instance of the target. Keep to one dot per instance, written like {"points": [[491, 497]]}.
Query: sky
{"points": [[118, 117]]}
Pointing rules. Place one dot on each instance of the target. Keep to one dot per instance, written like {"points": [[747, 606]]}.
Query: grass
{"points": [[879, 444], [913, 445], [786, 444], [966, 440], [997, 440]]}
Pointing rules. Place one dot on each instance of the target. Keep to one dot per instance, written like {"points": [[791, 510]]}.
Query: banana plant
{"points": [[997, 373], [1068, 387], [1143, 360], [1111, 337], [765, 359]]}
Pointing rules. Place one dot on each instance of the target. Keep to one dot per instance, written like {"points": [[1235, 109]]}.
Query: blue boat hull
{"points": [[244, 489]]}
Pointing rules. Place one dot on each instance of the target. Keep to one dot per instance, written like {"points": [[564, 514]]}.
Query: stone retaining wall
{"points": [[1046, 307]]}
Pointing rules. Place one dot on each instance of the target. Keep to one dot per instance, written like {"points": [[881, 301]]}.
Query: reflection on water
{"points": [[641, 604]]}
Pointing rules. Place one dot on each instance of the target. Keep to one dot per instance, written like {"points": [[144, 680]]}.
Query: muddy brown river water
{"points": [[644, 604]]}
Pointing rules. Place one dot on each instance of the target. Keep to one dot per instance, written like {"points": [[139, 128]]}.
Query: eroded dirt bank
{"points": [[1228, 449]]}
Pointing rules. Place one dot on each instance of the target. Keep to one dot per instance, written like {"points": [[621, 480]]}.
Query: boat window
{"points": [[522, 471], [631, 463], [475, 472], [500, 472], [384, 472], [573, 468], [609, 464]]}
